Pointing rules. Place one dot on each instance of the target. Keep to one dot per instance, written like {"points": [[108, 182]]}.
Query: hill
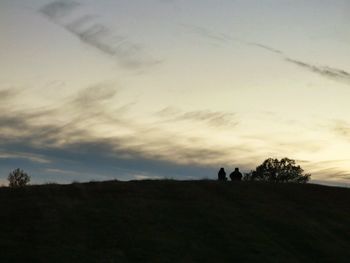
{"points": [[175, 221]]}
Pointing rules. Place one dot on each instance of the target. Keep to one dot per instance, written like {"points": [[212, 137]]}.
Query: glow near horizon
{"points": [[193, 83]]}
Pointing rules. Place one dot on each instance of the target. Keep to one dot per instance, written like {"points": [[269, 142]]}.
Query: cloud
{"points": [[325, 71], [328, 72], [59, 9], [117, 157], [127, 146], [53, 148], [57, 123], [22, 155], [333, 173], [67, 137], [329, 171], [7, 97], [7, 94], [268, 48], [211, 118], [227, 39], [129, 54], [94, 94], [342, 128], [206, 33]]}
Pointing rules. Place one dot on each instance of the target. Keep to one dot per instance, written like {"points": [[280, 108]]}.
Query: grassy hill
{"points": [[173, 221]]}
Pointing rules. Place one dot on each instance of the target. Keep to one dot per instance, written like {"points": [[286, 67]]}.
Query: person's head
{"points": [[236, 169], [222, 169]]}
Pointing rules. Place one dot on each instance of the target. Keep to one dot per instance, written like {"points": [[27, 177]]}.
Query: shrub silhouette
{"points": [[18, 178], [278, 171]]}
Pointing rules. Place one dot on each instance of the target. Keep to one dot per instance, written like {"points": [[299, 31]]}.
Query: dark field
{"points": [[173, 221]]}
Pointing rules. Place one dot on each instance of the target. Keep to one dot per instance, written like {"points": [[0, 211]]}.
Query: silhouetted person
{"points": [[222, 175], [236, 175]]}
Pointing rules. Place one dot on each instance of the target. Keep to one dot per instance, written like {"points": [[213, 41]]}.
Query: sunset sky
{"points": [[133, 89]]}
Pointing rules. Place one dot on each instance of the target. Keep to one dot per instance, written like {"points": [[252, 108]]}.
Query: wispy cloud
{"points": [[206, 33], [94, 94], [67, 136], [127, 143], [74, 148], [6, 94], [59, 9], [211, 118], [62, 172], [341, 128], [332, 173], [268, 48], [325, 71], [227, 39], [23, 155], [95, 34]]}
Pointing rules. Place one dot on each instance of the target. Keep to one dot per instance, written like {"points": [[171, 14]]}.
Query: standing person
{"points": [[222, 175], [236, 175]]}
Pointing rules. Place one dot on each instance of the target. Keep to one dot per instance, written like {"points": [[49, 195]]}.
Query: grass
{"points": [[175, 221]]}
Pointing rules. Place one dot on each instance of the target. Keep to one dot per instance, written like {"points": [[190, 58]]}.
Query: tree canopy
{"points": [[18, 178], [279, 171]]}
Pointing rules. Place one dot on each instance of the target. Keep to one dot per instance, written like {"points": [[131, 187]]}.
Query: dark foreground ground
{"points": [[172, 221]]}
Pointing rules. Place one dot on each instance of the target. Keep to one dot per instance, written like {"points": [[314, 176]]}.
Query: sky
{"points": [[121, 89]]}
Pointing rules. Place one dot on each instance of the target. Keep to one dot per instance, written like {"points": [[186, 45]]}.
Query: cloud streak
{"points": [[94, 34], [23, 155], [226, 39], [324, 71], [59, 9], [328, 72], [211, 118], [265, 47], [132, 56], [341, 128], [206, 33]]}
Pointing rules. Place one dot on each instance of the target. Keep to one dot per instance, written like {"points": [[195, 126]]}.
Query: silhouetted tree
{"points": [[236, 175], [18, 178], [222, 175], [278, 171], [249, 176]]}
